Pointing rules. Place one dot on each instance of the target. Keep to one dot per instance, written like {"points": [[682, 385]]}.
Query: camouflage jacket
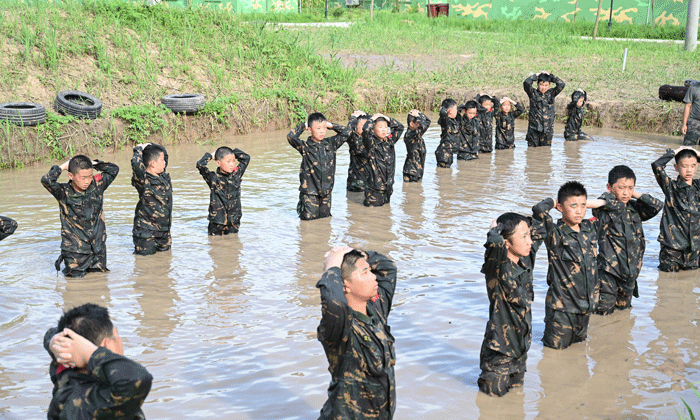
{"points": [[574, 116], [415, 147], [82, 220], [541, 116], [381, 155], [510, 292], [7, 227], [225, 196], [470, 134], [357, 169], [114, 387], [485, 117], [359, 348], [505, 127], [155, 206], [680, 222], [451, 136], [317, 171], [621, 241], [573, 270]]}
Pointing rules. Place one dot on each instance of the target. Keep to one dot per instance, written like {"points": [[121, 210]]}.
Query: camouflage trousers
{"points": [[467, 156], [485, 145], [615, 293], [313, 207], [355, 185], [76, 265], [539, 138], [148, 242], [411, 178], [562, 329], [576, 136], [500, 373], [375, 198], [215, 229], [501, 145], [444, 156], [692, 134], [674, 260]]}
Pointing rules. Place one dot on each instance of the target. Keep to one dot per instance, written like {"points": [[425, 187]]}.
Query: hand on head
{"points": [[357, 113], [414, 112], [329, 124], [334, 257], [376, 116], [71, 349]]}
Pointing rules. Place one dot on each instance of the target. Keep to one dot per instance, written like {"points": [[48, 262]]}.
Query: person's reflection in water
{"points": [[314, 238], [538, 166], [226, 280], [156, 296], [510, 406], [92, 288], [562, 374]]}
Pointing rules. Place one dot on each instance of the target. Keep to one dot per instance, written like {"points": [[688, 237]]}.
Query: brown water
{"points": [[227, 326]]}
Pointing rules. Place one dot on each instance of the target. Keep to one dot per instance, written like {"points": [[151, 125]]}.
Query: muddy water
{"points": [[227, 325]]}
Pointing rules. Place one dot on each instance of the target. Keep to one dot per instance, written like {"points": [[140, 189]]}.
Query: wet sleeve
{"points": [[662, 178], [612, 205], [648, 206], [243, 159], [424, 123], [396, 130], [538, 233], [385, 270], [7, 227], [496, 104], [559, 87], [203, 170], [518, 110], [540, 212], [109, 172], [336, 314], [368, 136], [527, 85], [342, 136], [50, 182], [137, 166], [294, 140], [496, 254]]}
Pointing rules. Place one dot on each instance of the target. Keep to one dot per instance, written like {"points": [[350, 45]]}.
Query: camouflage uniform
{"points": [[540, 126], [485, 117], [692, 134], [152, 217], [621, 248], [505, 127], [450, 139], [574, 119], [679, 233], [469, 146], [415, 150], [317, 171], [509, 329], [357, 170], [7, 227], [83, 232], [572, 278], [359, 348], [225, 198], [114, 387], [382, 163]]}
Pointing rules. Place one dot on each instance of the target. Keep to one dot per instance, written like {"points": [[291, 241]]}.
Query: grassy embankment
{"points": [[257, 79]]}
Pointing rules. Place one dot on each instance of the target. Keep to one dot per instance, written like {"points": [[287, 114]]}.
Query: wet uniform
{"points": [[357, 169], [415, 150], [450, 139], [679, 232], [382, 163], [572, 278], [692, 134], [83, 232], [540, 126], [621, 246], [574, 120], [225, 197], [485, 117], [505, 127], [114, 387], [7, 227], [469, 146], [153, 213], [359, 347]]}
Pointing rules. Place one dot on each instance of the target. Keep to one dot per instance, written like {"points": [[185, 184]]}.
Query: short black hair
{"points": [[510, 222], [544, 77], [151, 153], [619, 172], [470, 105], [222, 152], [349, 264], [78, 163], [484, 98], [89, 321], [411, 118], [571, 189], [315, 117], [448, 103], [685, 153]]}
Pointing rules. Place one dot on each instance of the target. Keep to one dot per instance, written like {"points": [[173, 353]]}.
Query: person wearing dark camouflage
{"points": [[487, 106], [418, 124], [469, 127], [357, 289], [621, 244], [574, 120], [317, 170], [225, 186], [7, 227], [357, 169], [451, 135], [380, 134], [511, 245], [679, 233], [572, 276], [83, 232], [153, 214], [91, 377], [691, 116], [505, 123], [540, 126]]}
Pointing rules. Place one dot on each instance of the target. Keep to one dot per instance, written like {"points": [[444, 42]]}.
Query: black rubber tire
{"points": [[184, 102], [68, 102], [23, 113]]}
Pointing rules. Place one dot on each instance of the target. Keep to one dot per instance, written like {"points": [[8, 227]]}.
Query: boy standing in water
{"points": [[7, 227], [225, 185], [380, 134], [469, 126], [83, 231], [153, 214], [505, 123], [418, 124], [487, 107], [450, 137], [679, 233], [357, 169], [540, 126], [574, 120], [317, 170]]}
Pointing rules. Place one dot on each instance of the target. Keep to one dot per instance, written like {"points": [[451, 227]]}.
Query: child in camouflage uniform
{"points": [[451, 135], [7, 227], [357, 169], [418, 124], [505, 123], [380, 134], [487, 107], [153, 214], [574, 120], [225, 186], [540, 126], [469, 126], [83, 232]]}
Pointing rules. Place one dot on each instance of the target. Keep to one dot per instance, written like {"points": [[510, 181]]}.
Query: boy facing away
{"points": [[621, 244], [572, 276], [679, 233], [225, 186], [83, 232], [380, 134], [574, 120], [540, 126], [451, 134], [317, 170], [418, 124], [505, 123], [91, 377], [487, 107], [153, 213], [469, 124], [357, 169]]}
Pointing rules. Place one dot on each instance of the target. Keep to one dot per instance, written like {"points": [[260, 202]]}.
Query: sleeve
{"points": [[496, 104], [7, 227], [336, 314], [648, 206], [294, 140], [688, 98], [243, 159], [442, 119], [496, 254], [50, 182], [109, 172], [342, 136], [527, 85], [538, 233], [139, 169], [560, 85], [367, 136], [385, 270], [396, 130], [424, 123], [612, 205], [518, 110], [203, 170], [662, 178], [540, 212]]}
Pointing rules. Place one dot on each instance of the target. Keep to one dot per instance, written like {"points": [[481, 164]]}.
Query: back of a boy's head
{"points": [[544, 77], [315, 117], [78, 163], [448, 103], [152, 152], [222, 152], [90, 321], [471, 105], [619, 172], [510, 222], [684, 153], [571, 189]]}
